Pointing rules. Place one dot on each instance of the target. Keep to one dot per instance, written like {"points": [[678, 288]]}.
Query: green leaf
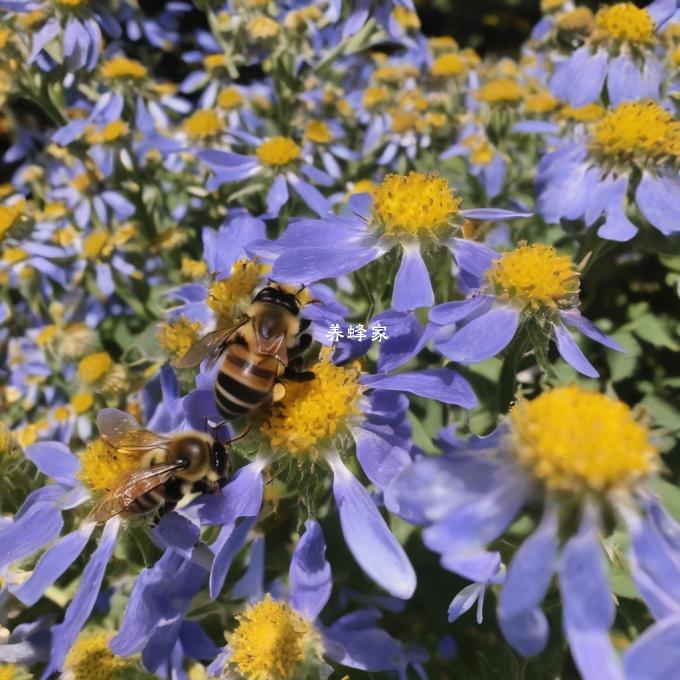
{"points": [[622, 366], [651, 329], [669, 494], [664, 414]]}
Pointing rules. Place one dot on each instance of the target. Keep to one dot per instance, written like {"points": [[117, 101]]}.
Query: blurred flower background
{"points": [[456, 456]]}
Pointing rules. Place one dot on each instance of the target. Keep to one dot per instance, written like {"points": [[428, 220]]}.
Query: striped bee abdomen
{"points": [[148, 502], [244, 381]]}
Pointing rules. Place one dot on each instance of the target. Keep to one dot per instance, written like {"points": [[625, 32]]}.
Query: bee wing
{"points": [[129, 488], [210, 345], [121, 430], [273, 347]]}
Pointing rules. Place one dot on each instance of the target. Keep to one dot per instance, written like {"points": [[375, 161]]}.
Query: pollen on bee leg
{"points": [[279, 392]]}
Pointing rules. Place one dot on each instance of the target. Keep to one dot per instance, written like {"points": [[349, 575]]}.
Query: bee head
{"points": [[281, 296], [195, 454]]}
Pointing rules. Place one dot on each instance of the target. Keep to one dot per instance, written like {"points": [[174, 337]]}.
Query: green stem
{"points": [[507, 383]]}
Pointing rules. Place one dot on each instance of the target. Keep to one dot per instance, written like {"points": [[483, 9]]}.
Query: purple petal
{"points": [[526, 583], [482, 337], [477, 565], [220, 160], [368, 537], [177, 533], [464, 601], [412, 286], [54, 460], [573, 317], [472, 258], [35, 528], [441, 384], [572, 353], [626, 82], [47, 33], [493, 214], [78, 611], [53, 564], [277, 196], [310, 195], [452, 312], [313, 264], [251, 585], [584, 68], [381, 456], [661, 10], [655, 655], [310, 573], [659, 201], [229, 543]]}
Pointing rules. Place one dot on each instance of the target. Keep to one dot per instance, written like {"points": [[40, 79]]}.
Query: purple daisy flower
{"points": [[531, 284], [567, 446], [354, 640], [405, 210], [629, 153]]}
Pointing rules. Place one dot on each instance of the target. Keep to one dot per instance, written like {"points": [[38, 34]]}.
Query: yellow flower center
{"points": [[70, 3], [229, 297], [624, 22], [175, 337], [213, 61], [14, 255], [637, 131], [481, 151], [109, 133], [229, 99], [580, 19], [11, 671], [588, 113], [575, 440], [193, 269], [95, 244], [395, 74], [82, 181], [263, 28], [93, 367], [122, 67], [403, 121], [203, 123], [535, 276], [278, 151], [46, 335], [312, 412], [9, 214], [54, 210], [415, 202], [500, 91], [406, 18], [82, 402], [448, 65], [551, 5], [271, 642], [318, 132], [540, 103], [374, 95], [90, 657], [101, 465]]}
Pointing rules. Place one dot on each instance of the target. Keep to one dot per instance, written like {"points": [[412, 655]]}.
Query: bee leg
{"points": [[304, 341], [294, 373]]}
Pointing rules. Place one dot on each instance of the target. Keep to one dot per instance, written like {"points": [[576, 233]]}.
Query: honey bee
{"points": [[263, 346], [171, 468]]}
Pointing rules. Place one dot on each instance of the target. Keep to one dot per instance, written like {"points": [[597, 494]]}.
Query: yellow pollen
{"points": [[122, 67], [540, 103], [101, 465], [637, 131], [448, 65], [588, 113], [535, 276], [28, 435], [403, 121], [374, 95], [82, 402], [278, 151], [624, 22], [70, 3], [175, 337], [415, 202], [263, 28], [551, 5], [95, 244], [395, 74], [406, 18], [93, 367], [318, 132], [442, 43], [193, 269], [229, 297], [202, 124], [46, 335], [30, 19], [575, 440], [61, 414], [271, 641], [11, 671], [81, 182], [229, 99], [481, 151], [436, 119], [500, 91], [14, 255], [580, 19], [109, 133], [213, 61], [90, 657], [54, 210], [9, 214], [312, 412]]}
